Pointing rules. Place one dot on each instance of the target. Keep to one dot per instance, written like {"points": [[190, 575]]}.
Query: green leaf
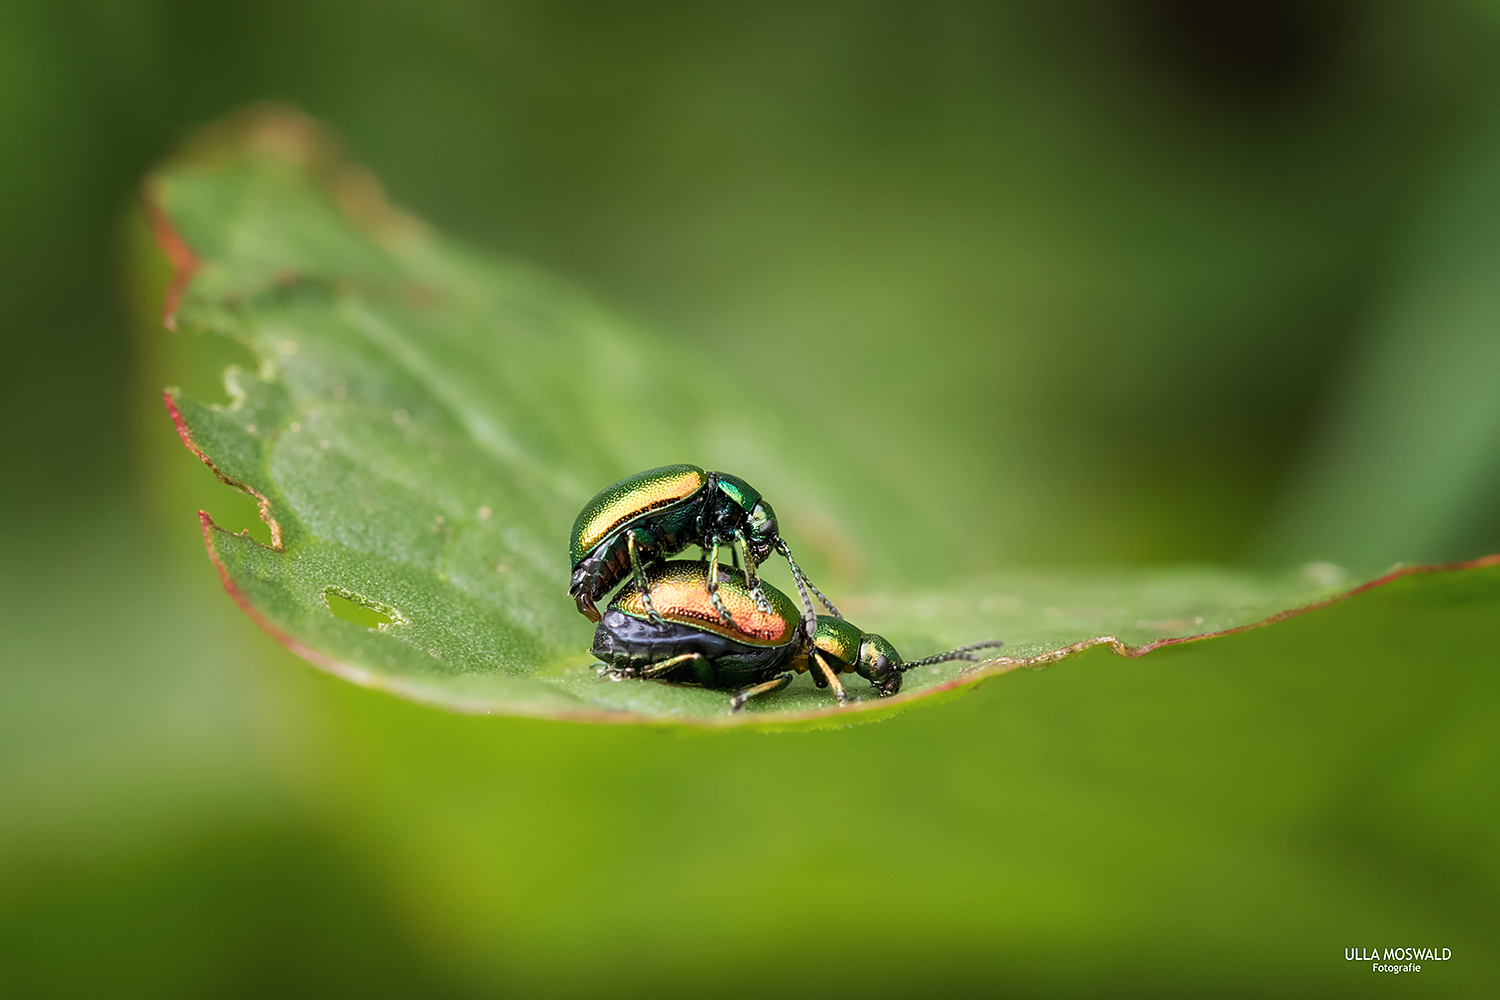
{"points": [[424, 421]]}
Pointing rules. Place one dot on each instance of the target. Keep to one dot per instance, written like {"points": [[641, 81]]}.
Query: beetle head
{"points": [[880, 664], [761, 533]]}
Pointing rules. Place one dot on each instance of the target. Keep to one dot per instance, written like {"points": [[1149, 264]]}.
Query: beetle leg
{"points": [[713, 585], [829, 676], [608, 673], [640, 578], [752, 580], [669, 665], [756, 690]]}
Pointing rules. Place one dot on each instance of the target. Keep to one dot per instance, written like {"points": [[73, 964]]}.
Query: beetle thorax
{"points": [[722, 516]]}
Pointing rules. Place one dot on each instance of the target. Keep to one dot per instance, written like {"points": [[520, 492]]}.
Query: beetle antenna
{"points": [[797, 571], [961, 653], [809, 617], [826, 602]]}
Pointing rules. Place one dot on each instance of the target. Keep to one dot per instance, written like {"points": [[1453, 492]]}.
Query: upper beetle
{"points": [[652, 515]]}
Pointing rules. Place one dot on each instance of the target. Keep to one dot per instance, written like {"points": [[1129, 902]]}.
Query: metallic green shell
{"points": [[838, 639], [739, 491], [679, 592], [616, 505]]}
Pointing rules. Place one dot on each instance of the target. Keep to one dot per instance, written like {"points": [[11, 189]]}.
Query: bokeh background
{"points": [[1078, 283]]}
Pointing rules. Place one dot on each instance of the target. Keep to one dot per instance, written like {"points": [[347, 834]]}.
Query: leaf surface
{"points": [[424, 422]]}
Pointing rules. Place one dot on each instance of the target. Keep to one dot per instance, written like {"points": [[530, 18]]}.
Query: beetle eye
{"points": [[879, 656], [762, 517]]}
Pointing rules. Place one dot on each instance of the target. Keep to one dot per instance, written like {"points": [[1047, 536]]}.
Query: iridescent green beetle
{"points": [[679, 635], [655, 514]]}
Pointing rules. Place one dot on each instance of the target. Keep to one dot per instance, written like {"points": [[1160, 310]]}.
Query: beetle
{"points": [[758, 652], [652, 515]]}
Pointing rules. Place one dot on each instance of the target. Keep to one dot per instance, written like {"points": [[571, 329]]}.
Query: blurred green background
{"points": [[1079, 283]]}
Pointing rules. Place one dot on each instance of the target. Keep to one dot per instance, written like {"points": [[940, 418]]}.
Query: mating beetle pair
{"points": [[696, 621]]}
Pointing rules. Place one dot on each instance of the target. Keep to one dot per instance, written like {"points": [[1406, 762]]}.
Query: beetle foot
{"points": [[608, 673], [718, 603], [760, 600], [656, 618]]}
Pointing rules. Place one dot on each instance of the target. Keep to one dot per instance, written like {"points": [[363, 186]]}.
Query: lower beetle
{"points": [[756, 653], [652, 515]]}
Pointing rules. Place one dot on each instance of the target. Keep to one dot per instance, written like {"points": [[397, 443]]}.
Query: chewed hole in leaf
{"points": [[351, 607], [239, 514]]}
